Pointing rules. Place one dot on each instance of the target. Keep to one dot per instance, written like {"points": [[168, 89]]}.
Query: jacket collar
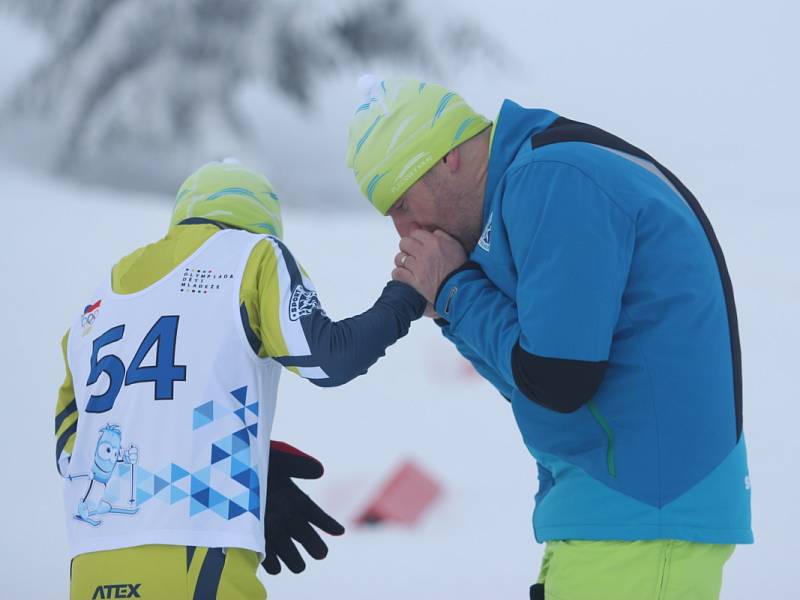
{"points": [[513, 127]]}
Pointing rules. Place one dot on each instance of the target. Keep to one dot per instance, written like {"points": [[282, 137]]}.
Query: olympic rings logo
{"points": [[88, 320]]}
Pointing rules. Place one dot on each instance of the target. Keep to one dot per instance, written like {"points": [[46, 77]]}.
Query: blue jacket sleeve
{"points": [[571, 246], [504, 387]]}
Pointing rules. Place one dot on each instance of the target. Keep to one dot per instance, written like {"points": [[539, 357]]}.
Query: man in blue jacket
{"points": [[583, 280]]}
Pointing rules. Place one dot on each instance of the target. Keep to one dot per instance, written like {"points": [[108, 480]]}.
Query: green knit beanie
{"points": [[230, 193], [401, 130]]}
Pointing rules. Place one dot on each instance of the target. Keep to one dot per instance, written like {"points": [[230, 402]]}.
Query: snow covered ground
{"points": [[709, 88], [419, 402]]}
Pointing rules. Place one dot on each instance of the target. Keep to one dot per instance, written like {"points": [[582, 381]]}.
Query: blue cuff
{"points": [[445, 301]]}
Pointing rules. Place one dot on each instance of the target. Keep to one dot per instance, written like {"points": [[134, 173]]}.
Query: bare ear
{"points": [[452, 160]]}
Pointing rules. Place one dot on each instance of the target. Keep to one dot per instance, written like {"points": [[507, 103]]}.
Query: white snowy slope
{"points": [[419, 402]]}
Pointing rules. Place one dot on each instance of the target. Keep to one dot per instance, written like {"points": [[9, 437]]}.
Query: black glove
{"points": [[290, 513]]}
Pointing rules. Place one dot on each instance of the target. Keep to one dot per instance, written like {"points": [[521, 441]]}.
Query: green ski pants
{"points": [[644, 570]]}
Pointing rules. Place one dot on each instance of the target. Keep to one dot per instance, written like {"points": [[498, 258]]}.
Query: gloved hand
{"points": [[290, 513]]}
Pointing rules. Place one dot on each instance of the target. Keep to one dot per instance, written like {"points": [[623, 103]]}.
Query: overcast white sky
{"points": [[710, 87]]}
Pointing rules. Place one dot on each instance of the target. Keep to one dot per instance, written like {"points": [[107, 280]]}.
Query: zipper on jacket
{"points": [[612, 468]]}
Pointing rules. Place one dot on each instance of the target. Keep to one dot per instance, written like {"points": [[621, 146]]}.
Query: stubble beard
{"points": [[463, 214], [471, 222]]}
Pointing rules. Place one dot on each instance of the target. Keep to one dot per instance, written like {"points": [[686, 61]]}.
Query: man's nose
{"points": [[404, 226]]}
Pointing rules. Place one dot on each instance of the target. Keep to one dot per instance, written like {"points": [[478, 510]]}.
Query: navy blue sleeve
{"points": [[330, 353], [346, 349]]}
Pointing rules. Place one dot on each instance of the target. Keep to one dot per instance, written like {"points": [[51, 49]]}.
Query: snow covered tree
{"points": [[137, 81]]}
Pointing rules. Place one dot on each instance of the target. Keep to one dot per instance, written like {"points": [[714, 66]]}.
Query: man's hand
{"points": [[290, 513], [425, 259]]}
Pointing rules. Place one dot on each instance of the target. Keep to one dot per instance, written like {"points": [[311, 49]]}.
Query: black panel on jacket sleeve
{"points": [[560, 384]]}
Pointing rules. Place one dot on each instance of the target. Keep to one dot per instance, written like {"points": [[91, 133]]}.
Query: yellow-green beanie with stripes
{"points": [[401, 129], [228, 192]]}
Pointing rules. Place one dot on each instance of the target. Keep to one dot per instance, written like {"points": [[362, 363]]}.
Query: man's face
{"points": [[416, 209], [434, 202]]}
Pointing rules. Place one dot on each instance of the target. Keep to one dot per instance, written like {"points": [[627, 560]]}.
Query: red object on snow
{"points": [[407, 494]]}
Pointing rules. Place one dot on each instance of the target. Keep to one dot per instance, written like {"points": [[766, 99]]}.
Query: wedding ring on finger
{"points": [[403, 260]]}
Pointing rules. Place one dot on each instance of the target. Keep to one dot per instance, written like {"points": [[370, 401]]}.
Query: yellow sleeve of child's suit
{"points": [[276, 293], [66, 415]]}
